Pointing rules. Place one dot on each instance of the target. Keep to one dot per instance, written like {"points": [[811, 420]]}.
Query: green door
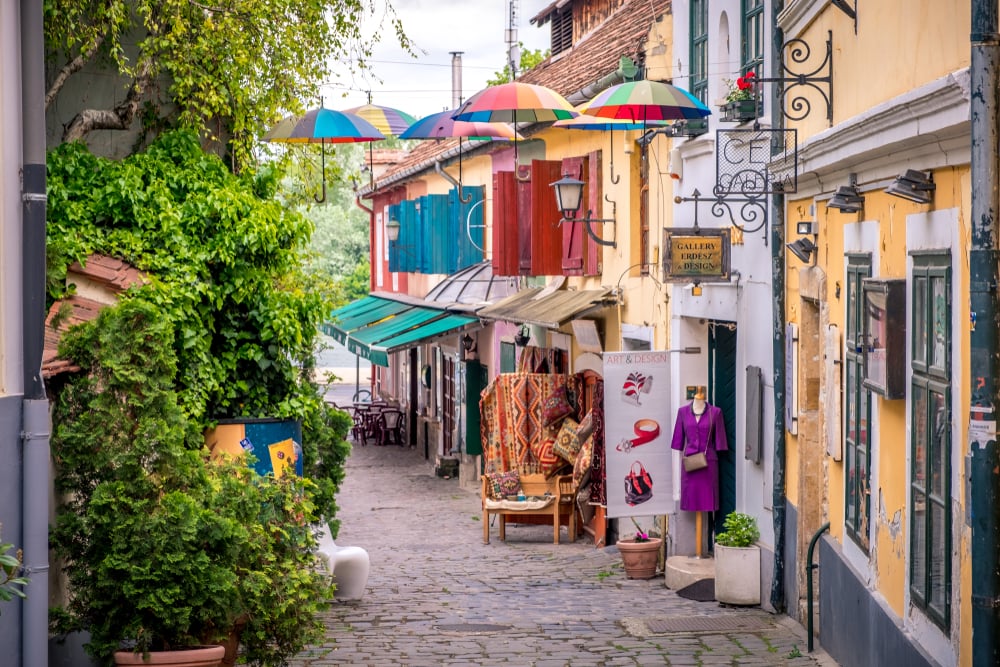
{"points": [[722, 393]]}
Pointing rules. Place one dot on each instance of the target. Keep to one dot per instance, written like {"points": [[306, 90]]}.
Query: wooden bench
{"points": [[562, 507]]}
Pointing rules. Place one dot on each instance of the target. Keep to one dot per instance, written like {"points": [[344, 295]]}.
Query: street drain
{"points": [[473, 628], [748, 623]]}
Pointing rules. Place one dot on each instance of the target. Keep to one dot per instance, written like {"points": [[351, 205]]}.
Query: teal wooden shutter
{"points": [[437, 238], [409, 235], [466, 226]]}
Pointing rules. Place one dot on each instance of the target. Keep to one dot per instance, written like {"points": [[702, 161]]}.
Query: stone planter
{"points": [[740, 111], [640, 558], [737, 575], [202, 656]]}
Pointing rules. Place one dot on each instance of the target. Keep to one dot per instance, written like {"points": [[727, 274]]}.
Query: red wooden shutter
{"points": [[574, 238], [546, 246], [524, 219], [505, 251], [595, 182]]}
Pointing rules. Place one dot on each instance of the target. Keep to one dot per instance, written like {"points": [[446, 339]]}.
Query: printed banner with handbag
{"points": [[638, 485], [699, 459]]}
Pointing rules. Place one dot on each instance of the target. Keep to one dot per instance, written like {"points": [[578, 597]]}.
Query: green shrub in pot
{"points": [[740, 530], [162, 547]]}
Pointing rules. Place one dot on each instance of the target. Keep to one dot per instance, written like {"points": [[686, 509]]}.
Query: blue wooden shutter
{"points": [[409, 234], [436, 236], [467, 227]]}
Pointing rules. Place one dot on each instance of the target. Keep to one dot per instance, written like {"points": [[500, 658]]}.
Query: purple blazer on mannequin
{"points": [[700, 488]]}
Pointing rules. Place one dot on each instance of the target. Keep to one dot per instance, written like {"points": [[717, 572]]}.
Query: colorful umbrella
{"points": [[323, 126], [585, 122], [441, 125], [515, 102], [387, 120], [642, 101]]}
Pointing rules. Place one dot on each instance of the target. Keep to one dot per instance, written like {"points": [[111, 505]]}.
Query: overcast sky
{"points": [[423, 85]]}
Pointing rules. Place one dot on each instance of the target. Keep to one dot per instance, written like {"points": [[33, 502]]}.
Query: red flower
{"points": [[745, 82]]}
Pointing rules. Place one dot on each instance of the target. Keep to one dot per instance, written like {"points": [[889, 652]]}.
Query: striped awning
{"points": [[545, 308]]}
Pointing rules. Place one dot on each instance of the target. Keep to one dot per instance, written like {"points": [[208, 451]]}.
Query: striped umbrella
{"points": [[441, 125], [642, 101], [323, 126], [585, 122], [515, 102], [387, 120]]}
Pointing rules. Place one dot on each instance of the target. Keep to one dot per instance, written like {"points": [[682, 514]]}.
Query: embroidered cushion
{"points": [[568, 442], [504, 484], [584, 460], [548, 461], [556, 406]]}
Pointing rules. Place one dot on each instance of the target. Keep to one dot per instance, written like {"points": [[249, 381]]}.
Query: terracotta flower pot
{"points": [[640, 558], [200, 656]]}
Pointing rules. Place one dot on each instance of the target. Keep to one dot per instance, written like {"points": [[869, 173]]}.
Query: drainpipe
{"points": [[778, 343], [983, 476], [35, 408], [627, 71]]}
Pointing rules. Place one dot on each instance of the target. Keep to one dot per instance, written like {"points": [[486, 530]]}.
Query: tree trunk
{"points": [[118, 118]]}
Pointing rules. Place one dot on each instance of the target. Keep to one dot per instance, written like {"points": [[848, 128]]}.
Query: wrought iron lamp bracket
{"points": [[588, 227], [820, 79], [751, 208]]}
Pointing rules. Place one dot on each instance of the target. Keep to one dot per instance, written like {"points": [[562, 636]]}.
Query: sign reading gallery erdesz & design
{"points": [[695, 253]]}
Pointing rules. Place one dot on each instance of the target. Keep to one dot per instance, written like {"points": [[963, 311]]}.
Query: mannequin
{"points": [[700, 428]]}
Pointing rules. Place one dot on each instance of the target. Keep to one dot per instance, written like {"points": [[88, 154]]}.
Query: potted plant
{"points": [[737, 561], [740, 103], [640, 554], [165, 550]]}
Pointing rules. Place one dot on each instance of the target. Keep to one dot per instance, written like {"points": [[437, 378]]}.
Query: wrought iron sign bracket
{"points": [[820, 79], [751, 208]]}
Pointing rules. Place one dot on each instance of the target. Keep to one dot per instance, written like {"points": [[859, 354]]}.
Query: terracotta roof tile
{"points": [[115, 273], [595, 55], [79, 310]]}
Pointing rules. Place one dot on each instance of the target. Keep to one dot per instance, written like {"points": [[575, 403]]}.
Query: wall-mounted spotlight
{"points": [[847, 198], [806, 227], [804, 249], [522, 336], [913, 185], [569, 197]]}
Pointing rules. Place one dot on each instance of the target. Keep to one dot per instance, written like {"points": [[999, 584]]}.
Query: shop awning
{"points": [[359, 314], [372, 327], [545, 308]]}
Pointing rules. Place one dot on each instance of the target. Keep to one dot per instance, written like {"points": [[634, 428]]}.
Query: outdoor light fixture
{"points": [[569, 196], [392, 229], [847, 198], [913, 185], [803, 249], [805, 227], [522, 337]]}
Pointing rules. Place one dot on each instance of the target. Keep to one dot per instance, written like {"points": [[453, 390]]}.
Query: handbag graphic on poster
{"points": [[638, 485]]}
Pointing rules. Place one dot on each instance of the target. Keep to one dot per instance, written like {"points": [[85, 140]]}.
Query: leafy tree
{"points": [[529, 59], [225, 69]]}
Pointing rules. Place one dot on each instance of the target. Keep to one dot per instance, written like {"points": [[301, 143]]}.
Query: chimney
{"points": [[456, 79]]}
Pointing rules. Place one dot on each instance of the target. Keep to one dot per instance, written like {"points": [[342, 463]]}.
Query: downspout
{"points": [[984, 478], [35, 408], [778, 344]]}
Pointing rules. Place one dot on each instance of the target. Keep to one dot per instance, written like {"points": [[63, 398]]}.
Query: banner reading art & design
{"points": [[637, 430]]}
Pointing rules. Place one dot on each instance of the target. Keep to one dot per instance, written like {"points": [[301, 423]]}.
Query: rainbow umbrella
{"points": [[585, 122], [643, 101], [387, 120], [515, 102], [441, 125], [323, 126]]}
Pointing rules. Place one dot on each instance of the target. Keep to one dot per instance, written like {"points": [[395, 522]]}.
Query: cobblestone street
{"points": [[438, 596]]}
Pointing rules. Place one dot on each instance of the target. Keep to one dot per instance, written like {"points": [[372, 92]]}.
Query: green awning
{"points": [[379, 353], [361, 340], [359, 314]]}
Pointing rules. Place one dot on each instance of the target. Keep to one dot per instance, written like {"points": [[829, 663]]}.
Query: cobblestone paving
{"points": [[438, 596]]}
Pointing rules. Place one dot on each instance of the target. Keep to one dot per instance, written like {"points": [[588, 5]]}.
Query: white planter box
{"points": [[737, 575]]}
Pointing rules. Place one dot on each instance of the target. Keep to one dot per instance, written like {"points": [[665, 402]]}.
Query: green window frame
{"points": [[752, 38], [699, 49], [858, 409], [930, 455]]}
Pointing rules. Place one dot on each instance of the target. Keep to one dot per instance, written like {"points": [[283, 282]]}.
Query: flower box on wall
{"points": [[739, 111]]}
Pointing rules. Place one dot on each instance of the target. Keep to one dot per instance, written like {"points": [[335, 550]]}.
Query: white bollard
{"points": [[349, 566]]}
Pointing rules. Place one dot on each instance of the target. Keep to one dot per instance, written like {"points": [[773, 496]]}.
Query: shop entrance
{"points": [[722, 393]]}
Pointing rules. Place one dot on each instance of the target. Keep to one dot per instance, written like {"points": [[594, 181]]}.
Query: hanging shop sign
{"points": [[637, 431], [695, 254]]}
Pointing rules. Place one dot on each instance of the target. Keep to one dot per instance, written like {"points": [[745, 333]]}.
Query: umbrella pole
{"points": [[322, 161]]}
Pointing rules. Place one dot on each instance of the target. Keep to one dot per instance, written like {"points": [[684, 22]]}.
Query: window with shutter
{"points": [[505, 250]]}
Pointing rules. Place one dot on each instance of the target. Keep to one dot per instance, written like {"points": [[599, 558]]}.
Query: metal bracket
{"points": [[799, 53], [722, 203]]}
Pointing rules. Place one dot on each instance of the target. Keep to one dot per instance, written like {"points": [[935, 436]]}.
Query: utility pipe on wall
{"points": [[984, 309]]}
